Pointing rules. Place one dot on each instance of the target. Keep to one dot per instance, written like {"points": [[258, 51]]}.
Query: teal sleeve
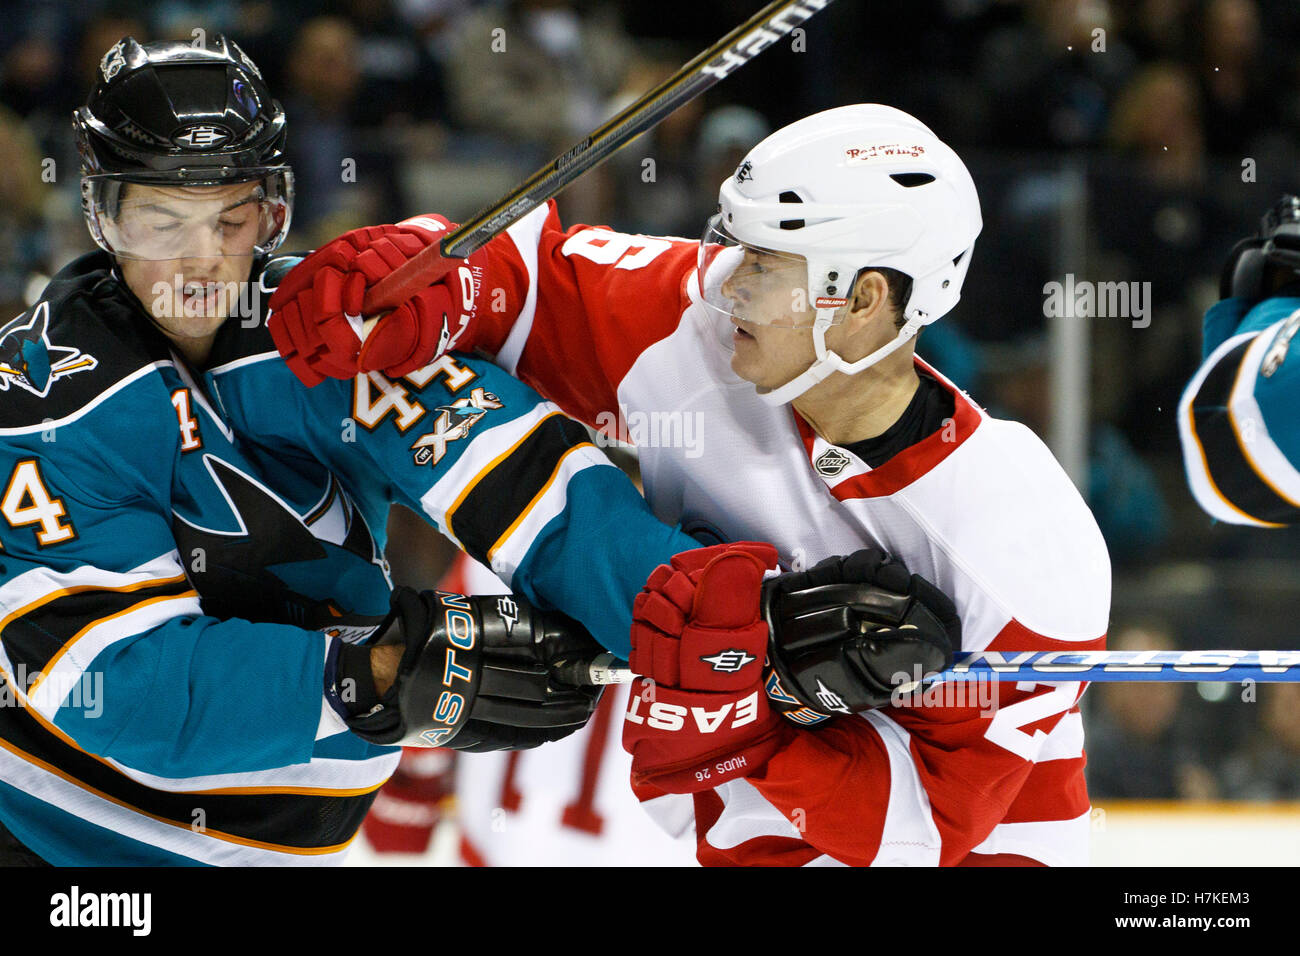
{"points": [[508, 477]]}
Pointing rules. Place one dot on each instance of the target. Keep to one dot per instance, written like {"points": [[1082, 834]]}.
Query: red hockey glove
{"points": [[699, 716], [316, 318], [410, 806]]}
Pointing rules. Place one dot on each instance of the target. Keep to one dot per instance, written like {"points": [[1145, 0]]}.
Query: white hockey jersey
{"points": [[607, 325]]}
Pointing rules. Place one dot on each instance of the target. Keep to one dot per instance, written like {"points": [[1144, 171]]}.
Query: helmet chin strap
{"points": [[829, 362]]}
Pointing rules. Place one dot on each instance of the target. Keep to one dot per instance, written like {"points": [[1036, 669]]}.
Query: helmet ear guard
{"points": [[935, 295]]}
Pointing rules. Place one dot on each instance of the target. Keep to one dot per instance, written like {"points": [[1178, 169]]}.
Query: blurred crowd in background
{"points": [[1129, 141]]}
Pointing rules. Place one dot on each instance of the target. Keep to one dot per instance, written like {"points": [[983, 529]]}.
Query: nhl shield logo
{"points": [[745, 172], [831, 462], [201, 136]]}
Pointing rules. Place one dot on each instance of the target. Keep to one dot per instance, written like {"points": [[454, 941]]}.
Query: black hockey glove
{"points": [[847, 633], [1260, 265], [476, 674]]}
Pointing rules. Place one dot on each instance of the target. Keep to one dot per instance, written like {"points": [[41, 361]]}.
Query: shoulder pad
{"points": [[1264, 315], [84, 335], [276, 269]]}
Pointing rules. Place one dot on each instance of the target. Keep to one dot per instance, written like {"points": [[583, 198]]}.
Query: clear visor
{"points": [[160, 222], [749, 284]]}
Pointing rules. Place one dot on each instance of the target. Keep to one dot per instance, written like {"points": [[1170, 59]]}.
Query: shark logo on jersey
{"points": [[453, 423], [1276, 353], [262, 561], [729, 661], [28, 360]]}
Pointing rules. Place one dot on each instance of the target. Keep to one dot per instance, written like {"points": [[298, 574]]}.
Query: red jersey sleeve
{"points": [[569, 311]]}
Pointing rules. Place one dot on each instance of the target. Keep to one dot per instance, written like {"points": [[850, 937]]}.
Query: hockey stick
{"points": [[1096, 666], [760, 31]]}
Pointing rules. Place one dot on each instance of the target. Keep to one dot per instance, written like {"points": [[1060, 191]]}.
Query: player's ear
{"points": [[868, 302]]}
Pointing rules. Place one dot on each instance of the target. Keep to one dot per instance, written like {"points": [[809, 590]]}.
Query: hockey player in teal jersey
{"points": [[192, 579], [202, 660], [1237, 418]]}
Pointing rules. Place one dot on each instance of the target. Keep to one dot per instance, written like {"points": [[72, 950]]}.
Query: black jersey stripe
{"points": [[287, 821], [37, 632], [500, 495], [1228, 467]]}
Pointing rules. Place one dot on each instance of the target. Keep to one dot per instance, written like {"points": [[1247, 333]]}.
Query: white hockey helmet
{"points": [[847, 189]]}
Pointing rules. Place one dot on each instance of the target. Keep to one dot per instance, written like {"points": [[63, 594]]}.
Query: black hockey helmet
{"points": [[176, 115]]}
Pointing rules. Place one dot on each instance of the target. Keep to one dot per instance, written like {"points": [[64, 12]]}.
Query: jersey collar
{"points": [[848, 477]]}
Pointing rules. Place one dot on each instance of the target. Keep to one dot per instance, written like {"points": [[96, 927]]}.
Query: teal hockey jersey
{"points": [[180, 550], [1237, 418]]}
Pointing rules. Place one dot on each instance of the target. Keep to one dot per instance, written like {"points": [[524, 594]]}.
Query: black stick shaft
{"points": [[760, 31]]}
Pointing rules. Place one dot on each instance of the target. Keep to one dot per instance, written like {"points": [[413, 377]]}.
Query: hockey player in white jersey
{"points": [[783, 341], [202, 657]]}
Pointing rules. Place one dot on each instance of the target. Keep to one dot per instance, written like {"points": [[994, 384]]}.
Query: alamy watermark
{"points": [[1083, 298], [225, 300], [910, 690], [80, 691], [78, 908], [675, 429]]}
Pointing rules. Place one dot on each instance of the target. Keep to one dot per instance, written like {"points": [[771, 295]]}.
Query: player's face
{"points": [[768, 298], [773, 354], [767, 288], [212, 229], [770, 355]]}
